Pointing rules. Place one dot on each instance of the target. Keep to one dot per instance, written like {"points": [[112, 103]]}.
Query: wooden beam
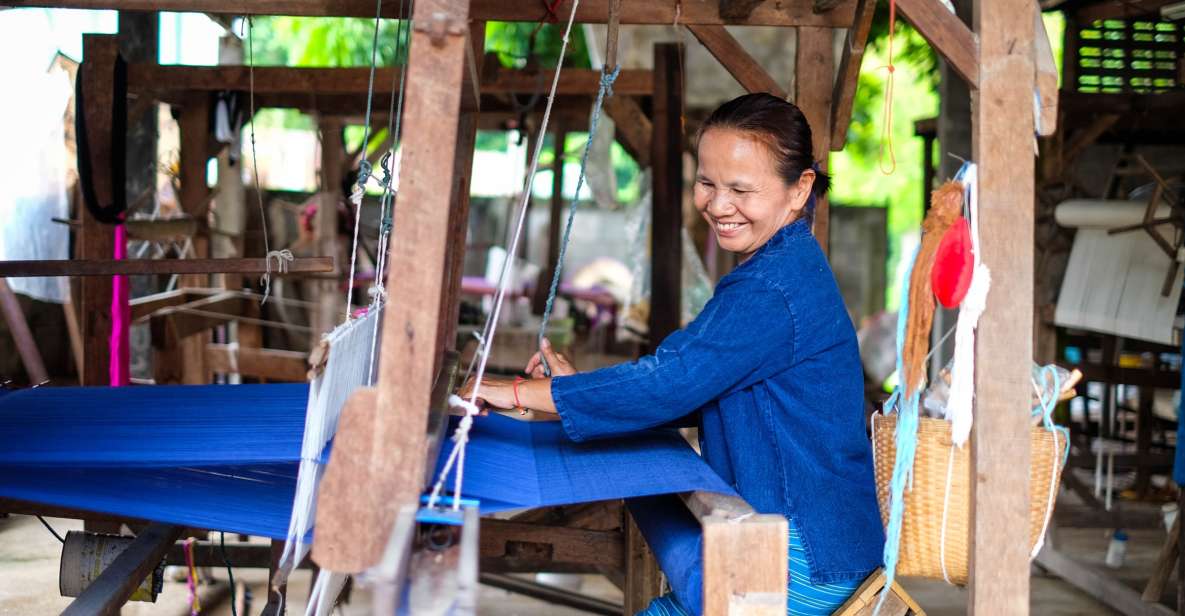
{"points": [[737, 9], [947, 34], [813, 74], [733, 57], [154, 79], [632, 126], [515, 544], [745, 568], [270, 364], [590, 11], [96, 240], [147, 267], [848, 78], [22, 337], [1000, 451], [666, 230], [643, 578], [330, 307], [108, 592], [1165, 563], [1046, 78], [373, 474], [1098, 584]]}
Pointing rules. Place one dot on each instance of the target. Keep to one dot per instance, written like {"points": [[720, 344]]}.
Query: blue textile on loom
{"points": [[225, 457], [163, 425]]}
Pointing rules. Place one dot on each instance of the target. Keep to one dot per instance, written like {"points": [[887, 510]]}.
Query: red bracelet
{"points": [[517, 380]]}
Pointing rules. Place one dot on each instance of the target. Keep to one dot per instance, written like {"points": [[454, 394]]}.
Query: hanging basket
{"points": [[939, 497]]}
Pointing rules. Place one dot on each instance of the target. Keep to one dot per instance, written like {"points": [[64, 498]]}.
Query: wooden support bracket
{"points": [[733, 57], [947, 34], [847, 80], [632, 125]]}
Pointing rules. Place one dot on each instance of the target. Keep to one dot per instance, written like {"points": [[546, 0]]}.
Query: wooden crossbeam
{"points": [[309, 81], [590, 11], [633, 127], [947, 34], [108, 592], [729, 52], [271, 364], [846, 81], [144, 267]]}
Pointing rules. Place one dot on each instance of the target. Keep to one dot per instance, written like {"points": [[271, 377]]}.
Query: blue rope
{"points": [[1051, 389], [606, 89], [907, 444]]}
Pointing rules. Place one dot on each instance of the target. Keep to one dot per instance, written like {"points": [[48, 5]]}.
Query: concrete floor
{"points": [[29, 578]]}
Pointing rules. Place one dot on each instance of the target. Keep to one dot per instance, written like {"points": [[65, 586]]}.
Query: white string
{"points": [[283, 258], [483, 353], [266, 278], [950, 464]]}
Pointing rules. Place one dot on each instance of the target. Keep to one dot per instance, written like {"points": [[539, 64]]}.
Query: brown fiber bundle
{"points": [[945, 207]]}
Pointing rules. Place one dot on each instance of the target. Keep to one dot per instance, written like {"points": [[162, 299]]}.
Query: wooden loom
{"points": [[442, 117]]}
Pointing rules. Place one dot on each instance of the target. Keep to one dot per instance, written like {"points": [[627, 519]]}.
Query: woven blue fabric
{"points": [[225, 457], [166, 425]]}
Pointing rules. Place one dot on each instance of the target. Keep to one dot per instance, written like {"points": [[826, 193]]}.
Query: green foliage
{"points": [[327, 42], [517, 44]]}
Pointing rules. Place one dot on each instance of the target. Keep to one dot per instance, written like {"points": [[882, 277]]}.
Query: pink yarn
{"points": [[121, 316]]}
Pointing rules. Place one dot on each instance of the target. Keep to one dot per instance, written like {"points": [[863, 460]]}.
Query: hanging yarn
{"points": [[606, 89], [266, 279], [945, 206], [962, 383], [282, 258], [906, 441], [191, 578], [491, 326]]}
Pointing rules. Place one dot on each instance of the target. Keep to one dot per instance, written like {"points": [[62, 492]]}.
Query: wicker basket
{"points": [[937, 458]]}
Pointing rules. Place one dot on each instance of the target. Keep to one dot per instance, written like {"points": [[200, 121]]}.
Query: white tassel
{"points": [[962, 378]]}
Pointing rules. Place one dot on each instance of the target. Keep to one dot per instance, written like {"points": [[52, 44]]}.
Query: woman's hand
{"points": [[496, 392], [560, 366]]}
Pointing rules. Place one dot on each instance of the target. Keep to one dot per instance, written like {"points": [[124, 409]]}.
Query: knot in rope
{"points": [[364, 170], [383, 164], [607, 79], [283, 258]]}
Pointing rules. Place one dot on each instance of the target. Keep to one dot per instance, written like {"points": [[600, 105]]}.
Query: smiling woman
{"points": [[769, 370], [755, 171]]}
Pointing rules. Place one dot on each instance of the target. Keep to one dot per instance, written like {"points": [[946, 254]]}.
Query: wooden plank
{"points": [[1000, 452], [108, 592], [1046, 78], [590, 11], [1095, 583], [745, 568], [643, 578], [364, 488], [270, 364], [330, 305], [143, 307], [308, 81], [813, 62], [22, 337], [96, 240], [666, 158], [147, 267], [555, 222], [705, 504], [514, 544], [947, 34], [1165, 563], [733, 57], [848, 77], [633, 128], [194, 198], [738, 9]]}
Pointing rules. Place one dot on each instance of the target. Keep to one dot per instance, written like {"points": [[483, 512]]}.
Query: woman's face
{"points": [[739, 192]]}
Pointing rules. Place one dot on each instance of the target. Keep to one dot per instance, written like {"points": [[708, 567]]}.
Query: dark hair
{"points": [[783, 128]]}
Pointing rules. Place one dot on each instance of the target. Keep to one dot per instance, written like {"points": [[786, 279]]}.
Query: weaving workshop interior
{"points": [[622, 307]]}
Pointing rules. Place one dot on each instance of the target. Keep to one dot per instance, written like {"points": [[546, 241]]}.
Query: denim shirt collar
{"points": [[787, 234]]}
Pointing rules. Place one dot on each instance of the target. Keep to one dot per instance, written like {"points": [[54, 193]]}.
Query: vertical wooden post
{"points": [[666, 225], [813, 75], [355, 514], [555, 223], [329, 309], [194, 125], [1000, 453], [643, 578], [97, 240], [26, 347], [459, 208]]}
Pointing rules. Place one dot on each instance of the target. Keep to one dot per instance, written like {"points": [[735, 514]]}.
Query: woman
{"points": [[770, 367]]}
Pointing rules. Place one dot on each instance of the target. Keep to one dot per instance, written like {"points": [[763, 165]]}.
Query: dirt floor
{"points": [[29, 580]]}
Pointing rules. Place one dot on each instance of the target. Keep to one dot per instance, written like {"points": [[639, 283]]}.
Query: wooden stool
{"points": [[899, 603]]}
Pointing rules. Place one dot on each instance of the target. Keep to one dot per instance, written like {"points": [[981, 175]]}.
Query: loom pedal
{"points": [[864, 601], [443, 512]]}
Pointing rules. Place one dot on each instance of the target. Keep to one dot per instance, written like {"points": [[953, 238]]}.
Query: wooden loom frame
{"points": [[996, 58]]}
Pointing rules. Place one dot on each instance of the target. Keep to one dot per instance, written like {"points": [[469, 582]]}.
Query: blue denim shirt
{"points": [[772, 367]]}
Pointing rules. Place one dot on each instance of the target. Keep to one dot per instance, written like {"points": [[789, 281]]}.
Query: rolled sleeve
{"points": [[743, 335]]}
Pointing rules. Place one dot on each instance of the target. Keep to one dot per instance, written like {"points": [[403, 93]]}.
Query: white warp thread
{"points": [[346, 369], [282, 258]]}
